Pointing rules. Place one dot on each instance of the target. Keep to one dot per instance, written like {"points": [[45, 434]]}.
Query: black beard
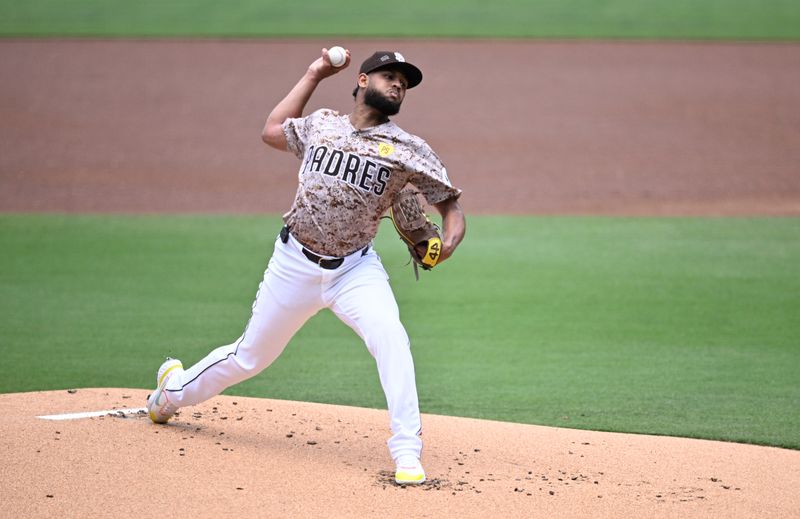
{"points": [[380, 102]]}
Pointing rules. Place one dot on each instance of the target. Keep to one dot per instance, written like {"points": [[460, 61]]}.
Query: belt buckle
{"points": [[331, 264], [325, 263]]}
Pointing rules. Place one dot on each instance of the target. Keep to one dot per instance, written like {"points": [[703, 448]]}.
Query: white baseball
{"points": [[337, 56]]}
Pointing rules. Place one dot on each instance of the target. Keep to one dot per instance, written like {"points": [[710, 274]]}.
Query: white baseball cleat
{"points": [[409, 471], [158, 405]]}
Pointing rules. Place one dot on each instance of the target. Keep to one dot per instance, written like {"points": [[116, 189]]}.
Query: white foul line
{"points": [[91, 414]]}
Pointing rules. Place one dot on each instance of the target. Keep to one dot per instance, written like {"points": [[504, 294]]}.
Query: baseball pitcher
{"points": [[353, 170]]}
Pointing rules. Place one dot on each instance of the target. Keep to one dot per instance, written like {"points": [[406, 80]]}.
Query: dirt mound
{"points": [[249, 457]]}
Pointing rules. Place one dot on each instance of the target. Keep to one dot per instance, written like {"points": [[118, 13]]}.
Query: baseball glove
{"points": [[421, 236]]}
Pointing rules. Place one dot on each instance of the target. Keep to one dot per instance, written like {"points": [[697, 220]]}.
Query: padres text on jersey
{"points": [[349, 177]]}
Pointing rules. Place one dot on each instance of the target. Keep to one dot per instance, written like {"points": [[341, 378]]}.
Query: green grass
{"points": [[667, 326], [660, 19]]}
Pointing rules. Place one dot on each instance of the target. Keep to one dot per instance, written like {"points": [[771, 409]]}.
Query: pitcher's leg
{"points": [[270, 328], [364, 300]]}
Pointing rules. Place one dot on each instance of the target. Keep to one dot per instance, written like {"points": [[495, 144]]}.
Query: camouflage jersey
{"points": [[350, 177]]}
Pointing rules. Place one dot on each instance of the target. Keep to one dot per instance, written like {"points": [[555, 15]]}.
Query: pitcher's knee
{"points": [[248, 367], [388, 335], [251, 357]]}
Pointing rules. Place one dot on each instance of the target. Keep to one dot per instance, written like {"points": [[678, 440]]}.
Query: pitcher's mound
{"points": [[250, 457]]}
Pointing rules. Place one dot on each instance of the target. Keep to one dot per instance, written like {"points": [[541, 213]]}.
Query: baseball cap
{"points": [[385, 58]]}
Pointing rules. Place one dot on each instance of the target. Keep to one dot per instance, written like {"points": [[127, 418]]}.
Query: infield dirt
{"points": [[524, 127]]}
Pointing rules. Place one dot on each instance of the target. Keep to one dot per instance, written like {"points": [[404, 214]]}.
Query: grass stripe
{"points": [[654, 19], [680, 326]]}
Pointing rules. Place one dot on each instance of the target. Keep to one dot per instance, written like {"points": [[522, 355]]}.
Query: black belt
{"points": [[326, 263]]}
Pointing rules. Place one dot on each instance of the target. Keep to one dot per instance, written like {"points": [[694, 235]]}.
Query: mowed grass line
{"points": [[654, 19], [666, 326]]}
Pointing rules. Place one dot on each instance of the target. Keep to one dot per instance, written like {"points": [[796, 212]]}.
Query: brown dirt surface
{"points": [[248, 457], [524, 127]]}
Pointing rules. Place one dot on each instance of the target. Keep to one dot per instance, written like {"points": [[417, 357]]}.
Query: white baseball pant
{"points": [[292, 291]]}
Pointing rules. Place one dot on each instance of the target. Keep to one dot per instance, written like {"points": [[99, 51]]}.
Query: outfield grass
{"points": [[660, 19], [667, 326]]}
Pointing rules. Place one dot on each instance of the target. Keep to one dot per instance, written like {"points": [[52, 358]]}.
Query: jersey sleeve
{"points": [[429, 175], [297, 132]]}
